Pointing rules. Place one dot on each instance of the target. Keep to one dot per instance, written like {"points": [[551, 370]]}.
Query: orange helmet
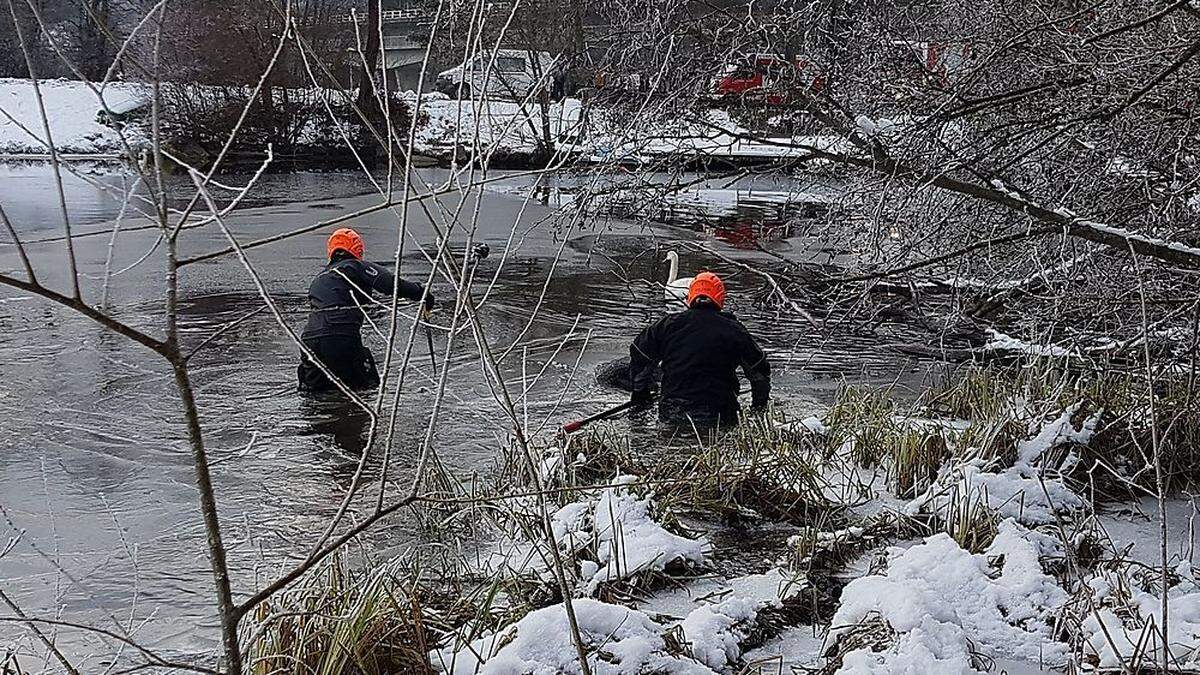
{"points": [[347, 240], [707, 285]]}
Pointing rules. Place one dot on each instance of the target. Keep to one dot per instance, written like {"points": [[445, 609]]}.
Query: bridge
{"points": [[416, 15]]}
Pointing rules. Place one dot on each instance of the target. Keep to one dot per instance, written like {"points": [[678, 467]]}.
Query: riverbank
{"points": [[87, 122], [991, 526]]}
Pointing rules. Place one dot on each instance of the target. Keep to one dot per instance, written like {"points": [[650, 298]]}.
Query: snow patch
{"points": [[715, 633], [629, 541], [1055, 433], [613, 534], [1134, 634], [541, 644], [944, 602], [73, 110], [1000, 342], [1028, 500]]}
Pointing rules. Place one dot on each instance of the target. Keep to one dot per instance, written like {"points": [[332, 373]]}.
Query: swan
{"points": [[677, 289]]}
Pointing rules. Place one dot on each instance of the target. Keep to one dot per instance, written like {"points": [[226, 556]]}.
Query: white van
{"points": [[505, 73]]}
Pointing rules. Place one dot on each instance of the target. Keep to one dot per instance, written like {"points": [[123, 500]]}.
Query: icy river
{"points": [[98, 517], [95, 474]]}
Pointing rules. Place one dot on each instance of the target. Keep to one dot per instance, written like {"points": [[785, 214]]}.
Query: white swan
{"points": [[677, 289]]}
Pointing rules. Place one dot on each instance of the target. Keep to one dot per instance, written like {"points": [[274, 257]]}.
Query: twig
{"points": [[20, 247], [31, 624]]}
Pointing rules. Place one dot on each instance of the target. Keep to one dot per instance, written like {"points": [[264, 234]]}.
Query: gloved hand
{"points": [[641, 397], [429, 301]]}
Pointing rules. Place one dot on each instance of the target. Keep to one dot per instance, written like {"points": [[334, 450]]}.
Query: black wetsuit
{"points": [[333, 332], [700, 350]]}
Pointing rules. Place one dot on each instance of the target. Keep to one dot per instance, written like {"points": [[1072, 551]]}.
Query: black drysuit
{"points": [[336, 298], [700, 350]]}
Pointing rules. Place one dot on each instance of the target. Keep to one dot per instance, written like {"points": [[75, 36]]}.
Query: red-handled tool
{"points": [[572, 427]]}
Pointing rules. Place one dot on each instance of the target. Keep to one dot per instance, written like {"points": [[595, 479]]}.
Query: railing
{"points": [[389, 16], [397, 15], [415, 14]]}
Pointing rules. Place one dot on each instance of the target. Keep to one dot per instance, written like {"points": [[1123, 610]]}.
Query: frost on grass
{"points": [[613, 535], [944, 603], [1125, 629], [1022, 492]]}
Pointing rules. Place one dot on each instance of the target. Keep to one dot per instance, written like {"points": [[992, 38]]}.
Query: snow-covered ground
{"points": [[491, 126], [649, 600], [487, 127], [73, 110]]}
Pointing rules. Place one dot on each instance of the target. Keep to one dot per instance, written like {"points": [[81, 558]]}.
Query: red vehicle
{"points": [[765, 78], [939, 62]]}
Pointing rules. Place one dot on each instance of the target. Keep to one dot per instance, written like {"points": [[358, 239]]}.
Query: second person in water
{"points": [[700, 350]]}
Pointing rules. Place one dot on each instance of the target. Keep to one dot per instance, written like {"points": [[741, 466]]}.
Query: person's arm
{"points": [[758, 371], [644, 355], [382, 282]]}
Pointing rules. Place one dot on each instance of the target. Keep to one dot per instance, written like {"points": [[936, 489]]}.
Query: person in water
{"points": [[700, 350], [336, 298]]}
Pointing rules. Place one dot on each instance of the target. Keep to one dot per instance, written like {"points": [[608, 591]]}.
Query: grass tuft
{"points": [[339, 621]]}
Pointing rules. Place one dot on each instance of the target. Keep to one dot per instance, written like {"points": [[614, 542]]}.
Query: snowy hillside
{"points": [[72, 108]]}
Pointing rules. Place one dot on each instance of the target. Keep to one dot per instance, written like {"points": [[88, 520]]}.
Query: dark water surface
{"points": [[95, 471]]}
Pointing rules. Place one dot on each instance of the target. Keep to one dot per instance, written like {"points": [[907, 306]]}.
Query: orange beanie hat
{"points": [[347, 240], [708, 285]]}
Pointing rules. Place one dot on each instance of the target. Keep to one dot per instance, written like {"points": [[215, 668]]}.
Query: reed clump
{"points": [[1003, 404], [337, 621], [765, 468]]}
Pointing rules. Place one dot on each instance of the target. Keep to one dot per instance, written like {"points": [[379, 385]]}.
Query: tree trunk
{"points": [[366, 90], [546, 138], [228, 610], [95, 51]]}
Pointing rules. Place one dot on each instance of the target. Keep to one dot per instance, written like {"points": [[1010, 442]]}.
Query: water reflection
{"points": [[334, 416], [95, 191]]}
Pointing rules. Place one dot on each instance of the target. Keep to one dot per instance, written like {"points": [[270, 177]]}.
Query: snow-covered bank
{"points": [[596, 134], [612, 536], [620, 640], [491, 127], [73, 110], [495, 130], [947, 607], [709, 135], [844, 566]]}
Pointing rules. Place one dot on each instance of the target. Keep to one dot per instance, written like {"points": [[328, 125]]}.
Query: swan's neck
{"points": [[673, 273]]}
